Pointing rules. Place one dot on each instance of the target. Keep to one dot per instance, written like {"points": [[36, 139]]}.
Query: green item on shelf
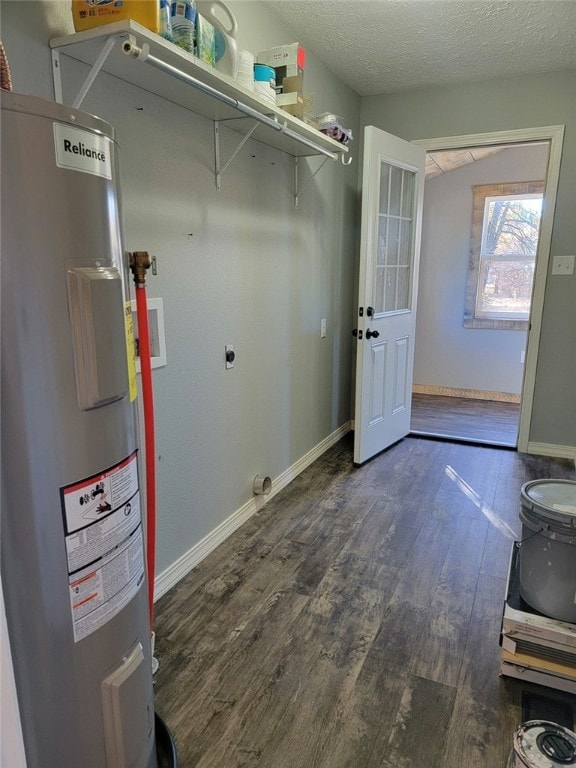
{"points": [[205, 41]]}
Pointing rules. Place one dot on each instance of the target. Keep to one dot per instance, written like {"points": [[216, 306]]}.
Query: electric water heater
{"points": [[72, 539]]}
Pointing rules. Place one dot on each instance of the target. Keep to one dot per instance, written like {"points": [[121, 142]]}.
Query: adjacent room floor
{"points": [[460, 418], [354, 621]]}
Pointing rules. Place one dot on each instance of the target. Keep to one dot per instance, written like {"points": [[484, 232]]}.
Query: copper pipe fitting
{"points": [[140, 261]]}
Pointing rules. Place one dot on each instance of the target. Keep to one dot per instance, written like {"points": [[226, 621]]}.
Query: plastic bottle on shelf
{"points": [[183, 21], [165, 19]]}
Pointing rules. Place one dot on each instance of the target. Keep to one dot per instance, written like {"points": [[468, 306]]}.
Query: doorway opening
{"points": [[482, 244]]}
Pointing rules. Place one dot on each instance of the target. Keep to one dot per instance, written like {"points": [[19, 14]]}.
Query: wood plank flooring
{"points": [[354, 621], [459, 418]]}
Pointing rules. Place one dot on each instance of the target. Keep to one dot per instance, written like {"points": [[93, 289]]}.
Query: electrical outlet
{"points": [[563, 265], [323, 328]]}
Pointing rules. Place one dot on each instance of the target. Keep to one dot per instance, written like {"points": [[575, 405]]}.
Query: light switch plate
{"points": [[563, 265]]}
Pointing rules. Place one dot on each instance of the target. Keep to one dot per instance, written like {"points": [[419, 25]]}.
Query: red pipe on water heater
{"points": [[139, 262]]}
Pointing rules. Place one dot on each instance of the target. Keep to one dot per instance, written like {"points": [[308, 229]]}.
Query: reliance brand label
{"points": [[79, 150]]}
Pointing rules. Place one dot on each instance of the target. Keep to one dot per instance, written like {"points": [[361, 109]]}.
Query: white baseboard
{"points": [[556, 451], [180, 567]]}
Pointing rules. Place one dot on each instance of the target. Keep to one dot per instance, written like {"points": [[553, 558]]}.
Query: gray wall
{"points": [[446, 353], [506, 104], [254, 273]]}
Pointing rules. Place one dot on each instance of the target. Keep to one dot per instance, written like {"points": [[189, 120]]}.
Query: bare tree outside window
{"points": [[505, 231], [508, 253]]}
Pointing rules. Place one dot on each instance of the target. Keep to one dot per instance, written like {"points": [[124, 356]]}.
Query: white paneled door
{"points": [[392, 193]]}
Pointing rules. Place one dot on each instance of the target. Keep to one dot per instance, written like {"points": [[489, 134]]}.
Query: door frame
{"points": [[555, 135]]}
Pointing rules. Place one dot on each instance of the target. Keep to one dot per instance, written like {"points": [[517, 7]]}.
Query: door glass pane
{"points": [[408, 194], [384, 182], [403, 293], [393, 238], [380, 288], [395, 190], [390, 290], [381, 251], [404, 243], [393, 263]]}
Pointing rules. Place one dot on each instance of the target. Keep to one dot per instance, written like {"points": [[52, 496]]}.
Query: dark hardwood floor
{"points": [[459, 418], [354, 621]]}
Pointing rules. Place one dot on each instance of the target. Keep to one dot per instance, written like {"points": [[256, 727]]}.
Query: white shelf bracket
{"points": [[220, 169], [56, 76], [92, 75], [298, 190]]}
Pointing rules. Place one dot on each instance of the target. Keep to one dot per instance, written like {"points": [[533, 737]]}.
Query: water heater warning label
{"points": [[104, 544]]}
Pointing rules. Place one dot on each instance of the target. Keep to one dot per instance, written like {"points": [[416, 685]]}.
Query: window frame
{"points": [[480, 193]]}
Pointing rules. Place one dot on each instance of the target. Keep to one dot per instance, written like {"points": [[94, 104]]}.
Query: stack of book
{"points": [[535, 647]]}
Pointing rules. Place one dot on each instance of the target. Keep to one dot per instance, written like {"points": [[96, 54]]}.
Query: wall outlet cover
{"points": [[563, 265]]}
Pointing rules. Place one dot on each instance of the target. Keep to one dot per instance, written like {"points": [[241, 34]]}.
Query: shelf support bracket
{"points": [[56, 76], [218, 168], [298, 190], [92, 75]]}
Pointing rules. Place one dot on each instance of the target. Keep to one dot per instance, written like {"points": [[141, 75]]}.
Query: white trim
{"points": [[180, 567], [556, 451], [555, 135]]}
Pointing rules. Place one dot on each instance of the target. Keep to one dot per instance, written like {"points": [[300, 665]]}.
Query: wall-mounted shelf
{"points": [[123, 47]]}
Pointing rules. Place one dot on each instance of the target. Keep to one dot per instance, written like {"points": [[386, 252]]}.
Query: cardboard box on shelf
{"points": [[287, 60], [293, 84], [293, 103]]}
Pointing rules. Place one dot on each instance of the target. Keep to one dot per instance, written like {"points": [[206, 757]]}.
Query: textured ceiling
{"points": [[445, 161], [382, 46]]}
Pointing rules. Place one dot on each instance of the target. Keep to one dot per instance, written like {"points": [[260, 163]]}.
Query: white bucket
{"points": [[548, 547], [541, 744]]}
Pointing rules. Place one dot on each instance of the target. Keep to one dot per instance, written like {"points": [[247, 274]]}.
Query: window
{"points": [[505, 229]]}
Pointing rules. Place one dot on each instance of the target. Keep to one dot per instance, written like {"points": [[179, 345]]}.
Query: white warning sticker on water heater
{"points": [[83, 151], [104, 544]]}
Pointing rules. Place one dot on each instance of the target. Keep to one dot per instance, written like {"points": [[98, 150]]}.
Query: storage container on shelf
{"points": [[331, 125], [265, 82], [87, 15], [226, 32], [183, 22]]}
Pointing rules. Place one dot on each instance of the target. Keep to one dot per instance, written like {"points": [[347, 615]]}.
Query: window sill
{"points": [[496, 324]]}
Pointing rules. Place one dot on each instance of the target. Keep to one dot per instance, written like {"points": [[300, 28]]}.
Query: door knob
{"points": [[372, 334], [370, 311]]}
